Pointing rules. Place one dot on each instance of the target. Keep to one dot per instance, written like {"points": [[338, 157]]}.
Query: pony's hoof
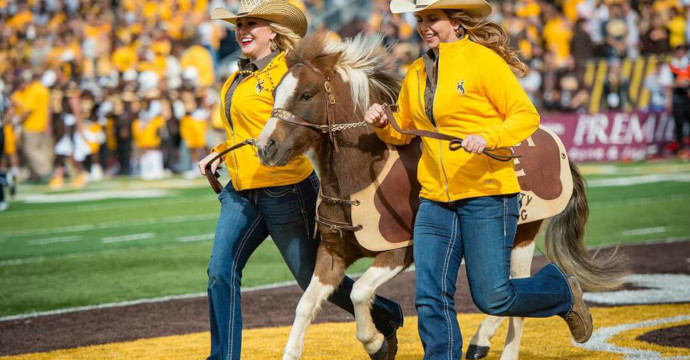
{"points": [[475, 352], [382, 354]]}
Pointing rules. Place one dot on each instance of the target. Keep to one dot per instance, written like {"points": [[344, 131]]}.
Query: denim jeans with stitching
{"points": [[481, 230], [247, 218]]}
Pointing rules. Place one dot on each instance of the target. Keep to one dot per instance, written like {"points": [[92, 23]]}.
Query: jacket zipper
{"points": [[235, 180], [435, 123]]}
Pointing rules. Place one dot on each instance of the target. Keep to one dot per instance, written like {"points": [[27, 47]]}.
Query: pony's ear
{"points": [[326, 63]]}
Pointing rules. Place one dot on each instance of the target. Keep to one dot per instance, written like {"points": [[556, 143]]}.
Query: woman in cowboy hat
{"points": [[260, 201], [465, 86]]}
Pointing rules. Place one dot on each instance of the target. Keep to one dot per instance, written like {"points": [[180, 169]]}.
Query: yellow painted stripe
{"points": [[589, 73], [636, 79], [542, 339], [626, 68], [598, 89], [645, 95]]}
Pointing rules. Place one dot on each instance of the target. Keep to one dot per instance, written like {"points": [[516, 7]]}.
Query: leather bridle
{"points": [[331, 126]]}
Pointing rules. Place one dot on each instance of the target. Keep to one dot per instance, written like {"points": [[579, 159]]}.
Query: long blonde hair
{"points": [[285, 39], [484, 32]]}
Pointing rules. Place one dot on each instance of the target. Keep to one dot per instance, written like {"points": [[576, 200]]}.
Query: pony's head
{"points": [[329, 84]]}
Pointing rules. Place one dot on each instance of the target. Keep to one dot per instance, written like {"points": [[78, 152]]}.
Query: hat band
{"points": [[243, 13]]}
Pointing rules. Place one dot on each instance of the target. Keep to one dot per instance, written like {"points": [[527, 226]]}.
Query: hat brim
{"points": [[280, 12], [471, 7]]}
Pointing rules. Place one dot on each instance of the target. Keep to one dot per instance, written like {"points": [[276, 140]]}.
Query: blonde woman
{"points": [[465, 86], [259, 201]]}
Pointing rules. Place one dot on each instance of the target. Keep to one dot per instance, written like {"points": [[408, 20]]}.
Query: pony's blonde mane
{"points": [[363, 59], [364, 63]]}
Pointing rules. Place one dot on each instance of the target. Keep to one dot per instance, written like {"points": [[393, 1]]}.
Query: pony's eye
{"points": [[306, 96]]}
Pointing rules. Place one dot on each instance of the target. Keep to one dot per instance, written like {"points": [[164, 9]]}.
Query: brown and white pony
{"points": [[318, 110]]}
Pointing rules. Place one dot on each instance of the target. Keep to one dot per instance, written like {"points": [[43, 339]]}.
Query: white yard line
{"points": [[191, 238], [124, 238], [638, 180], [54, 240], [101, 207], [110, 225], [137, 302], [644, 231], [639, 201]]}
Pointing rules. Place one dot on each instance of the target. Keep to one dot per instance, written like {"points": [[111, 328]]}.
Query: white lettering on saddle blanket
{"points": [[526, 199]]}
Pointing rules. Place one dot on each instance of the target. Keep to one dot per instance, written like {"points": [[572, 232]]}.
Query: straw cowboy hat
{"points": [[278, 11], [471, 7]]}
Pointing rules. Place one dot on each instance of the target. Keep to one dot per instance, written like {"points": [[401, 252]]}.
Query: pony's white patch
{"points": [[311, 155], [132, 237], [600, 339], [521, 260], [659, 289], [285, 91], [362, 295], [310, 302], [266, 133]]}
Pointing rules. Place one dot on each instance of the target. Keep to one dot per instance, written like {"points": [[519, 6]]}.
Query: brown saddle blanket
{"points": [[389, 205]]}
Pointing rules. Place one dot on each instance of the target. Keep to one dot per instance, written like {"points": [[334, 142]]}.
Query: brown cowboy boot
{"points": [[580, 319]]}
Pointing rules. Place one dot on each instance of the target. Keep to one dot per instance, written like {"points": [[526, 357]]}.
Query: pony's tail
{"points": [[564, 244]]}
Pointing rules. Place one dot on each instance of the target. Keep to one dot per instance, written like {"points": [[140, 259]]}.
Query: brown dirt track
{"points": [[275, 307]]}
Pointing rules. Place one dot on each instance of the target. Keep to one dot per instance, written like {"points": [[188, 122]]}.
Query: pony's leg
{"points": [[385, 267], [520, 263], [481, 341], [328, 274]]}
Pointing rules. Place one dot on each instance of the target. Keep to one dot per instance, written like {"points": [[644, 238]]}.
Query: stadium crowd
{"points": [[105, 87]]}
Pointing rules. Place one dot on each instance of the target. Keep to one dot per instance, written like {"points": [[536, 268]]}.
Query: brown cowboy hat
{"points": [[278, 11], [471, 7]]}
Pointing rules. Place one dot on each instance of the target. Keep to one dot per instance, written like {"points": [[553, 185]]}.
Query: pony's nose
{"points": [[269, 149]]}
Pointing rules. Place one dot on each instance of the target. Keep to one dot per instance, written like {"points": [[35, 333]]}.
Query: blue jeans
{"points": [[286, 213], [482, 230]]}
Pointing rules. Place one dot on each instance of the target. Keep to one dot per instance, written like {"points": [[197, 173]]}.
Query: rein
{"points": [[212, 177], [455, 143]]}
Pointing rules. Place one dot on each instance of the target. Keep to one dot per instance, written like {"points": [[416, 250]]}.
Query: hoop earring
{"points": [[460, 32]]}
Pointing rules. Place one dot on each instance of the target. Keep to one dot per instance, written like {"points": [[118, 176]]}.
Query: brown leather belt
{"points": [[455, 143], [212, 177]]}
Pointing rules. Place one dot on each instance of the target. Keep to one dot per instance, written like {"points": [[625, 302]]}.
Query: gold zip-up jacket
{"points": [[250, 109], [476, 93]]}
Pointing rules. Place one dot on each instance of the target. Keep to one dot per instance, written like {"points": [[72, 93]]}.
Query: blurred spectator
{"points": [[616, 31], [581, 45], [31, 102], [680, 69], [573, 94], [656, 39], [616, 88], [659, 82], [676, 28]]}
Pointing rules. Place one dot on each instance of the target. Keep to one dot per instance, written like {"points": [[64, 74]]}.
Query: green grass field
{"points": [[77, 252]]}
